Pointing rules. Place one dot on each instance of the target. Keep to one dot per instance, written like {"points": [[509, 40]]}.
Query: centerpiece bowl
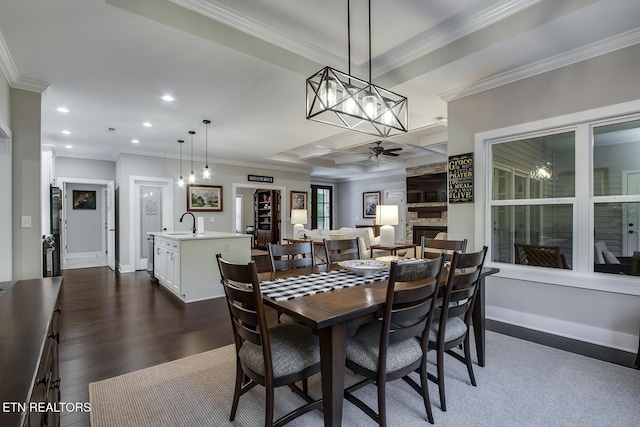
{"points": [[365, 267]]}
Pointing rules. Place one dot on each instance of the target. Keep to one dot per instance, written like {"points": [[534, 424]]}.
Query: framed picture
{"points": [[204, 198], [370, 200], [84, 199], [299, 200]]}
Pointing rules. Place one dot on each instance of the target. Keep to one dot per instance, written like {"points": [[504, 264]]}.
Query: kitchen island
{"points": [[185, 263]]}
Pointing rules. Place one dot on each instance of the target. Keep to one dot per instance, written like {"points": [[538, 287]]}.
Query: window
{"points": [[532, 199], [321, 207], [616, 194]]}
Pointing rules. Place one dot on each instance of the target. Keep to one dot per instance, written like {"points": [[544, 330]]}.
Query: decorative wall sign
{"points": [[259, 178], [204, 198], [460, 174], [84, 199]]}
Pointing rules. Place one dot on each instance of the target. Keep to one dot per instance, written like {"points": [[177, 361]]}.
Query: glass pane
{"points": [[550, 226], [616, 237], [150, 215], [616, 159], [540, 167]]}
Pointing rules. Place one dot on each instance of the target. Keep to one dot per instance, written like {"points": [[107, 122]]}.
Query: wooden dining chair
{"points": [[540, 255], [454, 318], [270, 357], [432, 248], [341, 249], [292, 255], [397, 345]]}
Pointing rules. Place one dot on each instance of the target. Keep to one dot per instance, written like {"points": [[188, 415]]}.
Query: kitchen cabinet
{"points": [[185, 263]]}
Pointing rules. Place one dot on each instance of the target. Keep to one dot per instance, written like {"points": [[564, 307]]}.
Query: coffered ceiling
{"points": [[243, 64]]}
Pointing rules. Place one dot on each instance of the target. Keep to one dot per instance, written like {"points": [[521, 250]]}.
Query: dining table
{"points": [[337, 314]]}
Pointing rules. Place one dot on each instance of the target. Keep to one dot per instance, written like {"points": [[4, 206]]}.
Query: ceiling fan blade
{"points": [[390, 154], [393, 149]]}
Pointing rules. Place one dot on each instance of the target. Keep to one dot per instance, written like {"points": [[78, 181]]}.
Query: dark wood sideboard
{"points": [[29, 353]]}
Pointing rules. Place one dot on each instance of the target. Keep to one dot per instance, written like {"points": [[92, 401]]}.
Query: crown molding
{"points": [[611, 44], [218, 12], [11, 72], [447, 32]]}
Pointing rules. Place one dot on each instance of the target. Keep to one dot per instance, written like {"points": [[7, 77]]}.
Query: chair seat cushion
{"points": [[293, 348], [455, 329], [363, 349]]}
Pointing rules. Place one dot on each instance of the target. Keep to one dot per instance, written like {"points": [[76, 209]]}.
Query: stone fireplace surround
{"points": [[436, 220]]}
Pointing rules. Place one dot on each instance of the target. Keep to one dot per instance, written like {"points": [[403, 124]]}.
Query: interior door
{"points": [[111, 225], [150, 205], [398, 197]]}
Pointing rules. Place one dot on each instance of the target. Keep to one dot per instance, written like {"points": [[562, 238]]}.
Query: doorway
{"points": [[246, 192], [151, 207], [398, 197]]}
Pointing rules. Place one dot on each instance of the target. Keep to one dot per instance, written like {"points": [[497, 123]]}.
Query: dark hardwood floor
{"points": [[112, 324]]}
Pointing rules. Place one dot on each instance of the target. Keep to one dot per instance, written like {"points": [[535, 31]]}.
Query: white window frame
{"points": [[582, 275]]}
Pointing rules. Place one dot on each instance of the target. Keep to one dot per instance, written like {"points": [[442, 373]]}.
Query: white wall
{"points": [[5, 109], [84, 168], [85, 227], [349, 200], [26, 201], [221, 174], [6, 263], [605, 318]]}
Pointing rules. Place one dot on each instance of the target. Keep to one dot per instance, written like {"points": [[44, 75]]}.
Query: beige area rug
{"points": [[523, 384]]}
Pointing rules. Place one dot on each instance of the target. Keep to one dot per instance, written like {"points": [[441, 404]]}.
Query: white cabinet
{"points": [[167, 264], [186, 264]]}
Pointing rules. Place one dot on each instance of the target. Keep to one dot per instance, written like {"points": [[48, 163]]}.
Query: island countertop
{"points": [[187, 235]]}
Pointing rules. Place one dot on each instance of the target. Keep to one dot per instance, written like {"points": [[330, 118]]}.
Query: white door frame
{"points": [[134, 212], [61, 182], [401, 228], [6, 222], [284, 203]]}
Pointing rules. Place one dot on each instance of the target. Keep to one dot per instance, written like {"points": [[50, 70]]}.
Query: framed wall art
{"points": [[204, 198], [84, 199], [299, 200], [370, 200]]}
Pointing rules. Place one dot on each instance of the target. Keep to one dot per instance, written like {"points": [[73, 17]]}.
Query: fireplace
{"points": [[428, 231]]}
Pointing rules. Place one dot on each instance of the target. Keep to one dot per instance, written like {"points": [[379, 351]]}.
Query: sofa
{"points": [[365, 235]]}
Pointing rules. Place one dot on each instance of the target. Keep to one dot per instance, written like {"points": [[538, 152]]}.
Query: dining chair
{"points": [[341, 249], [292, 255], [540, 255], [432, 248], [271, 357], [454, 318], [396, 346]]}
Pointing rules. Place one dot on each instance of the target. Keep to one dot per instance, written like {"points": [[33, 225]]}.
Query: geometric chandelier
{"points": [[339, 99]]}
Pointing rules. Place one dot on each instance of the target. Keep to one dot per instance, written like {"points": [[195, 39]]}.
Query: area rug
{"points": [[523, 384]]}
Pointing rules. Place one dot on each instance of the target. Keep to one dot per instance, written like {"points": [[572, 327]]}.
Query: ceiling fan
{"points": [[377, 150]]}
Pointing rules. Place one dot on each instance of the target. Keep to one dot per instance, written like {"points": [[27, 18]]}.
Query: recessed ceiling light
{"points": [[135, 141], [62, 109], [147, 124], [66, 132], [168, 98], [68, 146]]}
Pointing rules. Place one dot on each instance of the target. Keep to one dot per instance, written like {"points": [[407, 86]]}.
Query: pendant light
{"points": [[180, 181], [544, 170], [206, 173], [340, 99], [192, 176]]}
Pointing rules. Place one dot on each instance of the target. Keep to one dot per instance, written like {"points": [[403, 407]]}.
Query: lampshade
{"points": [[298, 217], [387, 215]]}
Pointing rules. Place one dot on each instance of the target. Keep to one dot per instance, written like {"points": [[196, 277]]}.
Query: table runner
{"points": [[298, 286]]}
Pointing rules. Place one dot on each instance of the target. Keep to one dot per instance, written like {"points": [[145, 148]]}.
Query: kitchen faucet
{"points": [[194, 220]]}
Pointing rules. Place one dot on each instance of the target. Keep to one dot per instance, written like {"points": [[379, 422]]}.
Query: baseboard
{"points": [[612, 355], [78, 255]]}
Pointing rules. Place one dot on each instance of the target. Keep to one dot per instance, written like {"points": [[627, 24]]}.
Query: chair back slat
{"points": [[461, 288], [410, 302], [242, 291], [539, 255], [292, 255], [341, 249], [432, 248]]}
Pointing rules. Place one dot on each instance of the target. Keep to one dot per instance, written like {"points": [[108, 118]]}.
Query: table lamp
{"points": [[298, 218], [387, 217]]}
